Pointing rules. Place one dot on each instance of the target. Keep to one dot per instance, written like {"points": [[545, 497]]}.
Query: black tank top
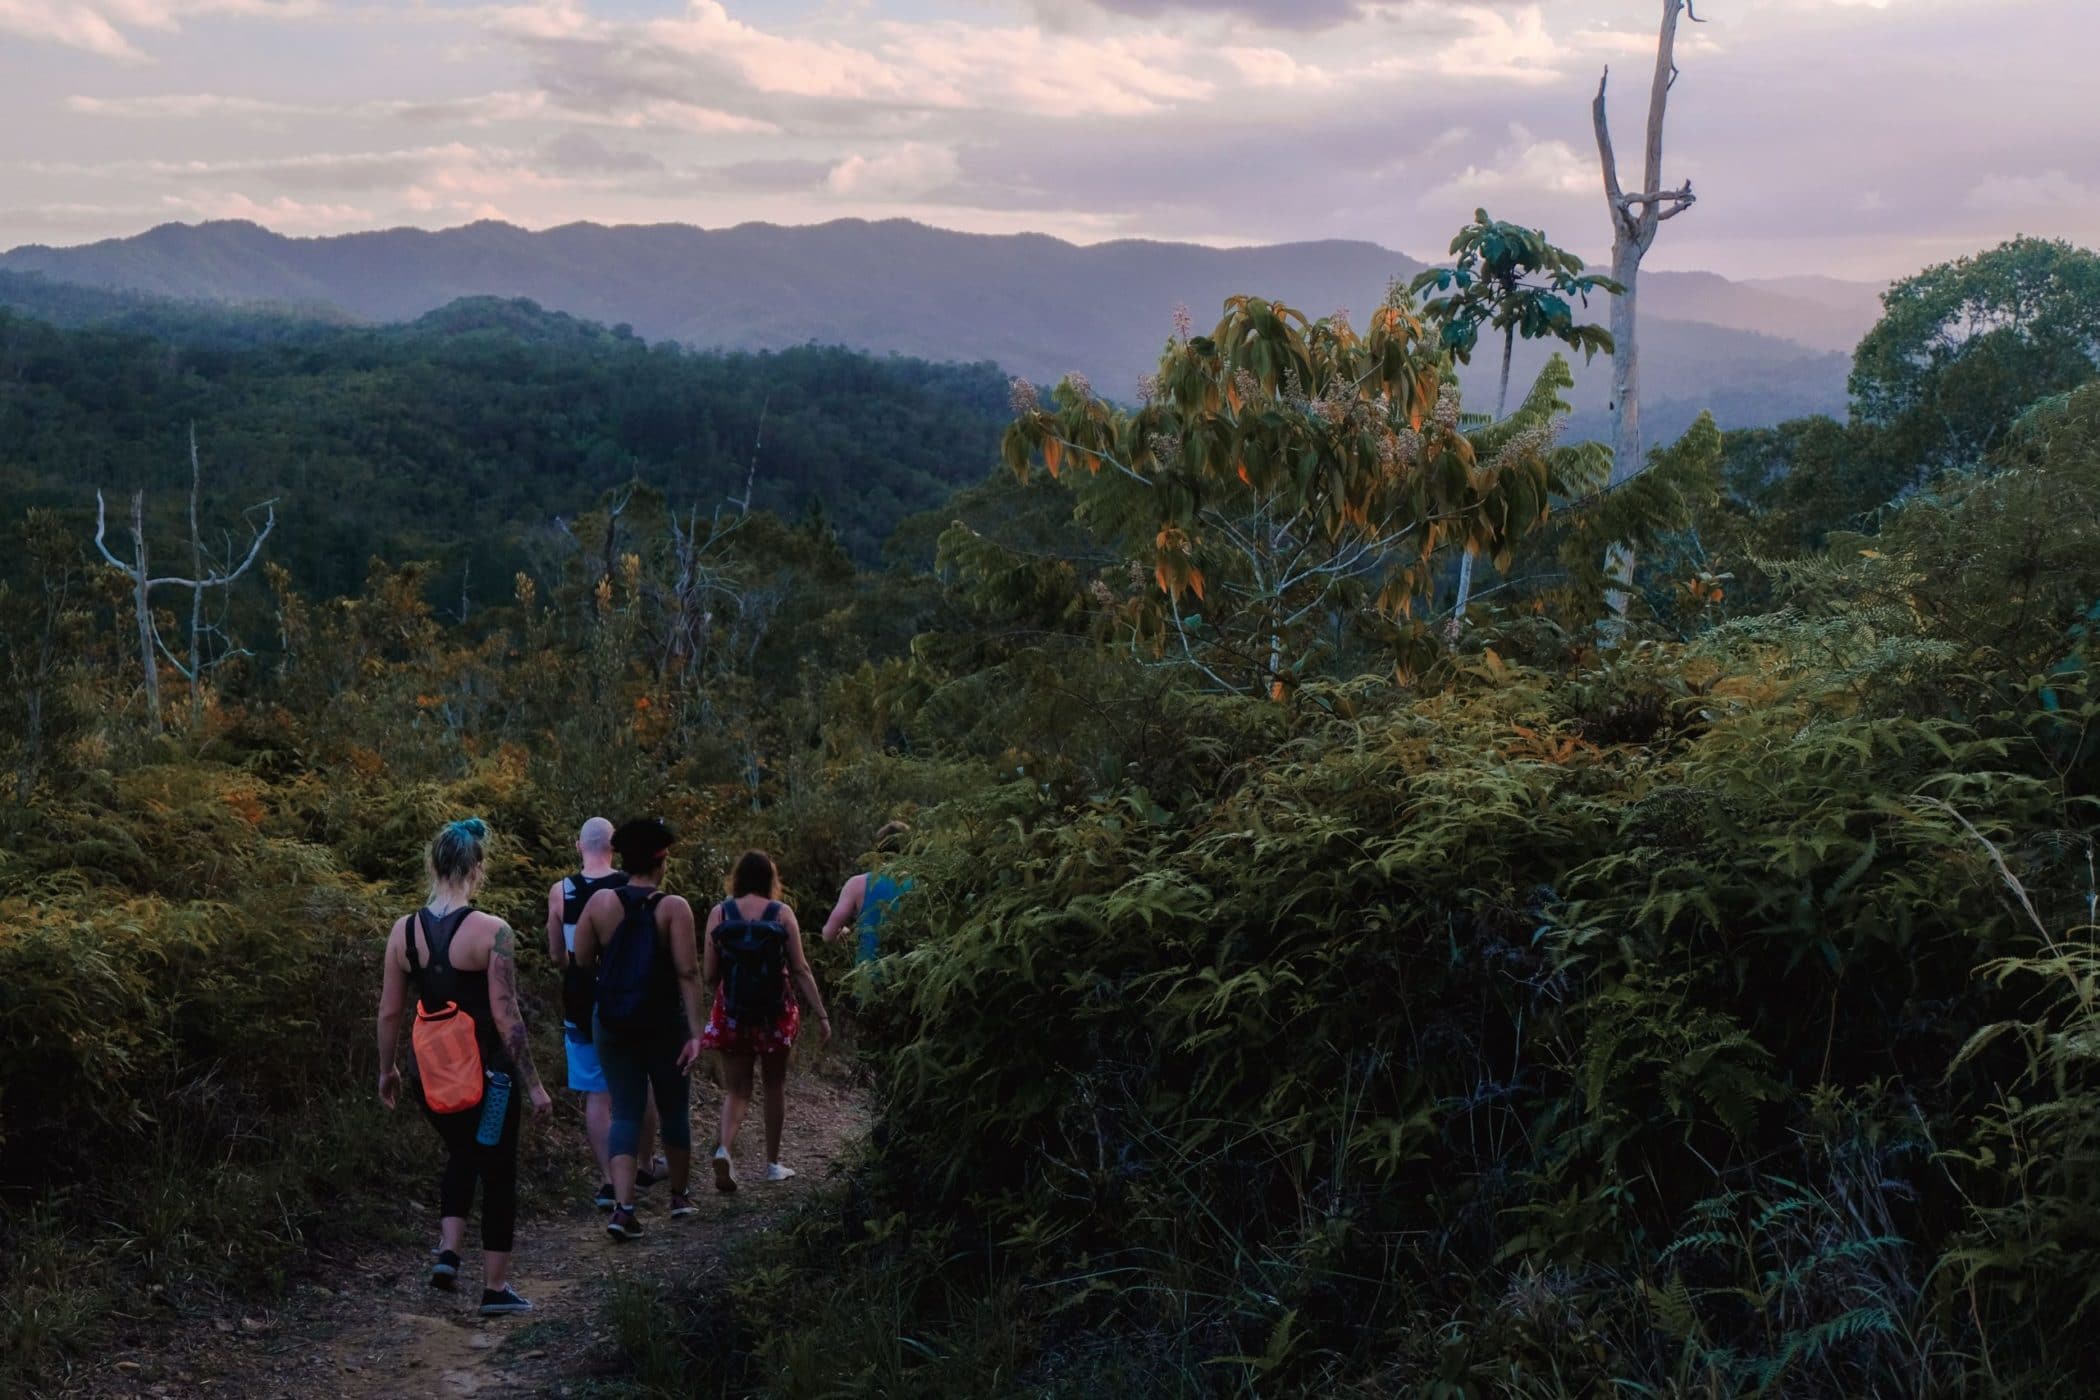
{"points": [[576, 891], [439, 982]]}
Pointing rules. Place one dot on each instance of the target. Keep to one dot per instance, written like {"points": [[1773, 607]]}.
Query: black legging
{"points": [[496, 1167]]}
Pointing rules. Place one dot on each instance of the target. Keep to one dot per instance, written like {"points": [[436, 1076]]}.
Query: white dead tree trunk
{"points": [[142, 599], [758, 442], [1635, 218], [143, 583]]}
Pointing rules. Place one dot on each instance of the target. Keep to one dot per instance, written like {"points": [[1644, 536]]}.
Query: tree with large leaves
{"points": [[1287, 484], [1507, 278]]}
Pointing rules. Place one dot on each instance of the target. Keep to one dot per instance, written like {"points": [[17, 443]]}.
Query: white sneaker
{"points": [[776, 1172], [725, 1172]]}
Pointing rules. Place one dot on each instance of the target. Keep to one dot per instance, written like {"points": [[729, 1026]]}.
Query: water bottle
{"points": [[494, 1104]]}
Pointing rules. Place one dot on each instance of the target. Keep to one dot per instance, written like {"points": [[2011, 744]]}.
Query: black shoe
{"points": [[622, 1225], [604, 1199], [500, 1302], [445, 1272], [649, 1175]]}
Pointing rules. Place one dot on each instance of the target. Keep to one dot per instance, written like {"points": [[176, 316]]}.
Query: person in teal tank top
{"points": [[866, 900]]}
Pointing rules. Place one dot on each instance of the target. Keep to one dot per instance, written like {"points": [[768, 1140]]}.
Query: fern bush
{"points": [[1715, 1017]]}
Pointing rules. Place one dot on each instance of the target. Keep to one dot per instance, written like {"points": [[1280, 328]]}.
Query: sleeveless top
{"points": [[579, 985], [662, 1006], [576, 891], [438, 981], [880, 892]]}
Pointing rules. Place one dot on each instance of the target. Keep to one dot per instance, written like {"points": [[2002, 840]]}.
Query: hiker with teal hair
{"points": [[866, 900], [470, 1057]]}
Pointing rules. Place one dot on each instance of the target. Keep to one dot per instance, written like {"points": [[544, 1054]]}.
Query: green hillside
{"points": [[465, 435]]}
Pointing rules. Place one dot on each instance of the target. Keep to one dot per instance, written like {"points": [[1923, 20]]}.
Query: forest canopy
{"points": [[466, 434]]}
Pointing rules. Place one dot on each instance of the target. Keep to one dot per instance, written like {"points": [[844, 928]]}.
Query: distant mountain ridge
{"points": [[1039, 306]]}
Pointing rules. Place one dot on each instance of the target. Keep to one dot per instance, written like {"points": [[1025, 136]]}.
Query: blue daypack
{"points": [[631, 985], [752, 955]]}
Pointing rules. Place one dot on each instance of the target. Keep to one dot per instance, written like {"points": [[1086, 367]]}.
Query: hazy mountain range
{"points": [[1755, 352]]}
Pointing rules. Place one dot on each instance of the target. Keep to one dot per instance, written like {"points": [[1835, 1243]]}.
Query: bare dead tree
{"points": [[151, 647], [618, 507], [1635, 219], [701, 589], [758, 441], [141, 593]]}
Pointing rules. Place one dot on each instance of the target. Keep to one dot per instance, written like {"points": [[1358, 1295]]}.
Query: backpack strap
{"points": [[408, 942], [633, 900], [771, 914], [439, 936], [441, 949]]}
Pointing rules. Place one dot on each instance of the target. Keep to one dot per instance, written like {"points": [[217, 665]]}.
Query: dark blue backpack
{"points": [[631, 986], [753, 959]]}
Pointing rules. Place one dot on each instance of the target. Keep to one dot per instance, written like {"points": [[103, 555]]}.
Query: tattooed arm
{"points": [[510, 1020]]}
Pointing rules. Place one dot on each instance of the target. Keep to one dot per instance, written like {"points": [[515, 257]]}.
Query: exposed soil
{"points": [[376, 1328]]}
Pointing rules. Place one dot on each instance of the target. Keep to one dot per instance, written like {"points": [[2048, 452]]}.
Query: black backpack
{"points": [[753, 957], [632, 987], [579, 985]]}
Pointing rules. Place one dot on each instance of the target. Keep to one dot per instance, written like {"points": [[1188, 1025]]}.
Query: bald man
{"points": [[579, 988]]}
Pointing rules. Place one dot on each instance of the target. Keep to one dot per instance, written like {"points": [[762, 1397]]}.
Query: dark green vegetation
{"points": [[1291, 1000], [466, 435]]}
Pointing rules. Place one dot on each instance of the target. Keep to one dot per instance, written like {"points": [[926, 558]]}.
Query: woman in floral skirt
{"points": [[752, 940]]}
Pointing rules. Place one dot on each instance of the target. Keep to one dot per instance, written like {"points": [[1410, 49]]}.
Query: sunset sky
{"points": [[1855, 137]]}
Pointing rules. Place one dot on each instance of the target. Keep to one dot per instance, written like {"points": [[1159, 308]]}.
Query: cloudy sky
{"points": [[1856, 137]]}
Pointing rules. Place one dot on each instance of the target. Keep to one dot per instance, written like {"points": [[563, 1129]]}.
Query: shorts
{"points": [[586, 1075]]}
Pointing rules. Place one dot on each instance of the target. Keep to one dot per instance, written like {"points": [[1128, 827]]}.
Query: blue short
{"points": [[586, 1075]]}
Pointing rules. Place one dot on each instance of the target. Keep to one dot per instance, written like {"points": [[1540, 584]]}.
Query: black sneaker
{"points": [[445, 1272], [605, 1200], [622, 1225], [682, 1206], [500, 1302], [650, 1175]]}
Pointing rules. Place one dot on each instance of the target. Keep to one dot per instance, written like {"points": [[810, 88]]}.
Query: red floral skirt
{"points": [[725, 1032]]}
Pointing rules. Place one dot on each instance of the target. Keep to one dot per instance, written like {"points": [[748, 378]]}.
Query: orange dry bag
{"points": [[448, 1055], [448, 1059]]}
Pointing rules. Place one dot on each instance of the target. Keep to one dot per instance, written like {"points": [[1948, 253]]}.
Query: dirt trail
{"points": [[385, 1332]]}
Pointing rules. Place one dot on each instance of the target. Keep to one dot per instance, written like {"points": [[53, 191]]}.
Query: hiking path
{"points": [[369, 1325]]}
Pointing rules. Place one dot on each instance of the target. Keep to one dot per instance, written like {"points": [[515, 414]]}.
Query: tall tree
{"points": [[1510, 279], [1635, 218], [1507, 278]]}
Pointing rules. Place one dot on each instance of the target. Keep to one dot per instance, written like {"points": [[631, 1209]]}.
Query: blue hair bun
{"points": [[473, 828]]}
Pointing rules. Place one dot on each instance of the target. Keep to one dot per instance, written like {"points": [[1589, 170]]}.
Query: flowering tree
{"points": [[1285, 486]]}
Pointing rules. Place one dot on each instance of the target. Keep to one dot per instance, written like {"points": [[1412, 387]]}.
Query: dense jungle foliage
{"points": [[467, 435], [1416, 1003]]}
